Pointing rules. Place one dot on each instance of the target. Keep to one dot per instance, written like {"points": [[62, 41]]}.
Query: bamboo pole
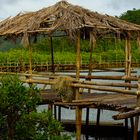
{"points": [[98, 117], [50, 75], [127, 114], [135, 135], [113, 84], [128, 58], [52, 55], [133, 78], [92, 45], [77, 96], [89, 83], [30, 61], [105, 89], [138, 41]]}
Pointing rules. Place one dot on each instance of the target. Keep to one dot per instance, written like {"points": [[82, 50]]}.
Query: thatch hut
{"points": [[73, 21]]}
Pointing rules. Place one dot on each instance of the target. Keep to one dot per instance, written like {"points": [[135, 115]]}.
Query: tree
{"points": [[131, 16], [16, 100], [19, 119]]}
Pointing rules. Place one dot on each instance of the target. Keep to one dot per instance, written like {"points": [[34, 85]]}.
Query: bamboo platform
{"points": [[112, 101], [122, 103]]}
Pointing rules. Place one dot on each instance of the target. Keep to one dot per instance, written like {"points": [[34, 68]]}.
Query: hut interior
{"points": [[119, 93]]}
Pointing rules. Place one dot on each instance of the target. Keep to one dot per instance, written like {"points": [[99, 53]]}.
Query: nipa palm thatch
{"points": [[63, 16]]}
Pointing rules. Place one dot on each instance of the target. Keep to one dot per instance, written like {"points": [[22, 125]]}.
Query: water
{"points": [[106, 115]]}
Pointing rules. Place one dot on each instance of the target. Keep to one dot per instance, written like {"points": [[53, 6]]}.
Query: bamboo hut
{"points": [[74, 20]]}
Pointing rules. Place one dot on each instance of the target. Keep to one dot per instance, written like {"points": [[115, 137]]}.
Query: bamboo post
{"points": [[135, 134], [55, 112], [78, 109], [92, 45], [138, 41], [126, 128], [50, 108], [59, 113], [98, 117], [52, 55], [132, 124], [87, 122], [127, 68], [128, 56], [30, 61]]}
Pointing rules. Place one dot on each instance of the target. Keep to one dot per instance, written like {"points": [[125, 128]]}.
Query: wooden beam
{"points": [[105, 89], [127, 114]]}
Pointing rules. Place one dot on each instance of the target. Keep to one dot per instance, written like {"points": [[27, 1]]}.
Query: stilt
{"points": [[132, 124], [87, 122], [78, 122], [55, 112], [135, 134], [50, 108], [126, 128], [59, 113], [52, 55], [98, 117]]}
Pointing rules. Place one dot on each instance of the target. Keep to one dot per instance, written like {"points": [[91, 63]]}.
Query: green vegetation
{"points": [[64, 52], [19, 119], [131, 16]]}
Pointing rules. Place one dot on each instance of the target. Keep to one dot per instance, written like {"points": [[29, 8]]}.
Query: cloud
{"points": [[124, 4], [5, 2], [111, 7]]}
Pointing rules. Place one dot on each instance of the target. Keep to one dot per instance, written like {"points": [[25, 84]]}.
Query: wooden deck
{"points": [[107, 101]]}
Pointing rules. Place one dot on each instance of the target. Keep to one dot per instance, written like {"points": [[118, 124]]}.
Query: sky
{"points": [[111, 7]]}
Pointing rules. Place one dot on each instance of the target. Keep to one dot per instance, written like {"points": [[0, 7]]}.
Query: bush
{"points": [[19, 119]]}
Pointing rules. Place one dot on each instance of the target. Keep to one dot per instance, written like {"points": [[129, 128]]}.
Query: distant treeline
{"points": [[131, 16]]}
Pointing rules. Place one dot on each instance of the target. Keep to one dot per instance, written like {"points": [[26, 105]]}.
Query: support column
{"points": [[92, 45], [135, 134], [77, 96], [30, 60], [128, 55], [52, 55]]}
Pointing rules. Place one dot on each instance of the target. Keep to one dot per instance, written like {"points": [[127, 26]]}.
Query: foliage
{"points": [[19, 119], [64, 52], [42, 126], [131, 16], [16, 100]]}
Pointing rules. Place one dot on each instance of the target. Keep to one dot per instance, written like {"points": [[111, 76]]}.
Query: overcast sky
{"points": [[110, 7]]}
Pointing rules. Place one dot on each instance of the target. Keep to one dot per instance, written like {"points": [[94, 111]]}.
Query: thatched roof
{"points": [[63, 16]]}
